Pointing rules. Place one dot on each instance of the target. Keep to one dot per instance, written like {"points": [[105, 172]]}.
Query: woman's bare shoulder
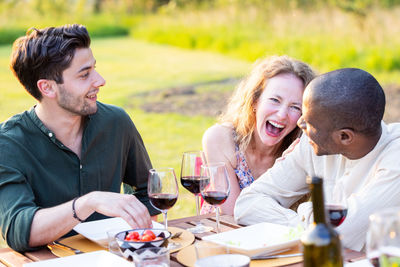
{"points": [[219, 134], [218, 139]]}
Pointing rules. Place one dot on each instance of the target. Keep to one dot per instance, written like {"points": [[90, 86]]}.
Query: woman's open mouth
{"points": [[274, 128]]}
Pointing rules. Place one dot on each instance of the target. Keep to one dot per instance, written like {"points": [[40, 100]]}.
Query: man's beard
{"points": [[74, 104]]}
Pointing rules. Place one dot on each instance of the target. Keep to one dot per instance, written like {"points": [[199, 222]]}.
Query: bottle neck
{"points": [[318, 203]]}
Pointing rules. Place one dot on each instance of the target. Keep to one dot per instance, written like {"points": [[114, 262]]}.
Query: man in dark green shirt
{"points": [[63, 161]]}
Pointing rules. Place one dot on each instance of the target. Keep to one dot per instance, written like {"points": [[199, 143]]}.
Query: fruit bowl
{"points": [[127, 245]]}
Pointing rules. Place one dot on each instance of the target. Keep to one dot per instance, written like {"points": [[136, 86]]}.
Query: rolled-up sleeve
{"points": [[17, 208]]}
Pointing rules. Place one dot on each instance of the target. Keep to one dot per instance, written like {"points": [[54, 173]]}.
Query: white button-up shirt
{"points": [[370, 184]]}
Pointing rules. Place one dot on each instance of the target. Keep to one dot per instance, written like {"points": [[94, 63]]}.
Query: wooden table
{"points": [[16, 259]]}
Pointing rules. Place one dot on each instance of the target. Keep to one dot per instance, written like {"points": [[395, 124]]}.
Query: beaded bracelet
{"points": [[74, 211]]}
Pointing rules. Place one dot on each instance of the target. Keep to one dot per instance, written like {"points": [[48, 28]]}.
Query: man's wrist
{"points": [[74, 214], [84, 206]]}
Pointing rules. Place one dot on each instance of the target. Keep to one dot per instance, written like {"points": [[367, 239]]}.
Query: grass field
{"points": [[326, 38]]}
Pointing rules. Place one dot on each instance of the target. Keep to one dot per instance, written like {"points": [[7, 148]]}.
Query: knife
{"points": [[261, 257], [59, 245]]}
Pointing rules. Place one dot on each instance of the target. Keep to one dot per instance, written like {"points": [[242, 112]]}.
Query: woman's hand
{"points": [[288, 150]]}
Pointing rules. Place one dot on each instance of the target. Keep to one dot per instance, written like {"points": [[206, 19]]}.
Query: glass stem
{"points": [[217, 218], [197, 204], [165, 220], [198, 209]]}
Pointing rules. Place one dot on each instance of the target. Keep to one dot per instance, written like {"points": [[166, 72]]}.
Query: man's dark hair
{"points": [[350, 98], [45, 54]]}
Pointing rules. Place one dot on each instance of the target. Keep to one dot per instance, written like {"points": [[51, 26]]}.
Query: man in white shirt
{"points": [[345, 141]]}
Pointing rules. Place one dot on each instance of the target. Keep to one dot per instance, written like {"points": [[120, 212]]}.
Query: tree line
{"points": [[143, 6]]}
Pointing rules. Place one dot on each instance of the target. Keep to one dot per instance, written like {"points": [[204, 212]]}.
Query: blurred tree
{"points": [[38, 4], [97, 6], [129, 6], [357, 7], [389, 3]]}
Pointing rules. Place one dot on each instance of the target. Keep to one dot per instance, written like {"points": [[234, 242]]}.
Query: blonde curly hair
{"points": [[240, 108]]}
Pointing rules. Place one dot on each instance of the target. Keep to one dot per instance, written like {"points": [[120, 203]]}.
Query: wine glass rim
{"points": [[193, 151], [161, 169], [214, 164]]}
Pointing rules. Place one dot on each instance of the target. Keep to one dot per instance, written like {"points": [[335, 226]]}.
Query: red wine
{"points": [[192, 183], [374, 262], [214, 197], [163, 201], [337, 214], [373, 257]]}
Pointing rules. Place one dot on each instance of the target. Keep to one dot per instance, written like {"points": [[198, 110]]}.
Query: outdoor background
{"points": [[172, 64]]}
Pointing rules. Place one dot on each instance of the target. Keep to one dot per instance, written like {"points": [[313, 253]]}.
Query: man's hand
{"points": [[128, 207], [51, 223]]}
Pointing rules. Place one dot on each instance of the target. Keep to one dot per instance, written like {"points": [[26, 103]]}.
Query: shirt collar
{"points": [[32, 114], [377, 148], [34, 117]]}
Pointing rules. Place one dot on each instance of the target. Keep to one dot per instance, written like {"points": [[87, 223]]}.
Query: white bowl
{"points": [[128, 247]]}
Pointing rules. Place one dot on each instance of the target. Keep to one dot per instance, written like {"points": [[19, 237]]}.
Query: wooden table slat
{"points": [[9, 257], [351, 255], [40, 255], [229, 219], [188, 219], [183, 225], [229, 223], [212, 222]]}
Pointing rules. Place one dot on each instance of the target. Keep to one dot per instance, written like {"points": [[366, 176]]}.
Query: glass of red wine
{"points": [[162, 189], [335, 202], [215, 187], [190, 179]]}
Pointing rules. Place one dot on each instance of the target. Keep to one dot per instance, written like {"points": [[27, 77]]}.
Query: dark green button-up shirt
{"points": [[38, 171]]}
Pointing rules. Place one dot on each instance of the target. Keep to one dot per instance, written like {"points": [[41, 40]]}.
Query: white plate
{"points": [[97, 230], [257, 239], [361, 263], [224, 260], [99, 258]]}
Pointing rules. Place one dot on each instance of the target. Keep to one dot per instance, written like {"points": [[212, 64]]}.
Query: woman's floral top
{"points": [[243, 173]]}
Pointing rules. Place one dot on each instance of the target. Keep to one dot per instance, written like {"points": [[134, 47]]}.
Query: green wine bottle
{"points": [[321, 243]]}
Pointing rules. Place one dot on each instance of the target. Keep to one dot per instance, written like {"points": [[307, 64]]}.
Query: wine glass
{"points": [[190, 179], [215, 188], [383, 238], [335, 202], [162, 189]]}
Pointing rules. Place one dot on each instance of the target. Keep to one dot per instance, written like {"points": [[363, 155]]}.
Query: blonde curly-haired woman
{"points": [[259, 123]]}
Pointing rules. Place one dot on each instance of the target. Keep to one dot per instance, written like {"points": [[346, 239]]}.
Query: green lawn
{"points": [[131, 67]]}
